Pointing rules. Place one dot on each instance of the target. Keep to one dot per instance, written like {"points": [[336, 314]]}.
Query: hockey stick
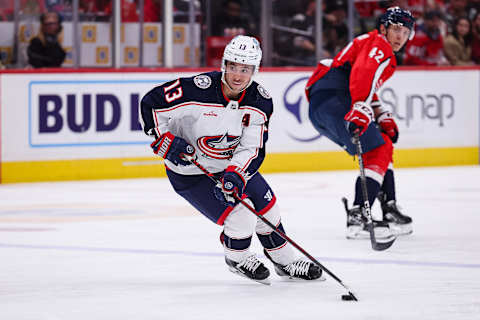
{"points": [[378, 246], [275, 229]]}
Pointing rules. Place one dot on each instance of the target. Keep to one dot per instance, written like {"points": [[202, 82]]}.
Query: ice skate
{"points": [[399, 223], [297, 270], [250, 268], [357, 225]]}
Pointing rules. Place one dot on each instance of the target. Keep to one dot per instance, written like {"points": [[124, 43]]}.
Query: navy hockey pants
{"points": [[327, 110], [198, 191]]}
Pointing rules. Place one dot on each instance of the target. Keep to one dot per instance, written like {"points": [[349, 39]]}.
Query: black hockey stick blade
{"points": [[376, 245], [379, 245]]}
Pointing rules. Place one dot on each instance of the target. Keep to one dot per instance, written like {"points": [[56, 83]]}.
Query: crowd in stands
{"points": [[447, 32]]}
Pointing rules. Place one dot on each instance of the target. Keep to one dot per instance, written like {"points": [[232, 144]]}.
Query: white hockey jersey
{"points": [[224, 132]]}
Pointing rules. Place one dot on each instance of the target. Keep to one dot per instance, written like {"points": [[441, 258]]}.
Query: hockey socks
{"points": [[372, 188], [388, 186]]}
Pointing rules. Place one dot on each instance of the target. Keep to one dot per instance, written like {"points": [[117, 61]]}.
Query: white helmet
{"points": [[243, 49]]}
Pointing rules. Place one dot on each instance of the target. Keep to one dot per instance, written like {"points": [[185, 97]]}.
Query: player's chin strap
{"points": [[226, 83], [378, 246], [273, 227]]}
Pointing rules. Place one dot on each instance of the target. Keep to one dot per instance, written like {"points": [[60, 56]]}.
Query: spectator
{"points": [[59, 5], [303, 50], [336, 30], [426, 48], [458, 45], [6, 10], [129, 11], [368, 9], [419, 7], [88, 6], [44, 50], [231, 21], [455, 10], [32, 7], [476, 38], [152, 10], [473, 8], [98, 10]]}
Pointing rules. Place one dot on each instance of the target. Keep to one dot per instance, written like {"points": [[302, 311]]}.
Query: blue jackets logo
{"points": [[218, 147]]}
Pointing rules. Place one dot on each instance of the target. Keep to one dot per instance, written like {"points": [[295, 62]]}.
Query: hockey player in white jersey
{"points": [[221, 118]]}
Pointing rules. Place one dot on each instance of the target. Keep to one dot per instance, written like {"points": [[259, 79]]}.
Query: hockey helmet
{"points": [[398, 16], [243, 49]]}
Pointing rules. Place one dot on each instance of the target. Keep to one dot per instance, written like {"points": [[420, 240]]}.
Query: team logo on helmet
{"points": [[263, 92], [243, 49], [202, 81], [218, 147], [399, 16]]}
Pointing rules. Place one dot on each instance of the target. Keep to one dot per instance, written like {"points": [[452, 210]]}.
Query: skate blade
{"points": [[286, 277], [294, 279], [401, 230], [358, 233], [264, 281]]}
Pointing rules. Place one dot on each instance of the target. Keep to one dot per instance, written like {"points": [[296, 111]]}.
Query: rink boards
{"points": [[74, 125]]}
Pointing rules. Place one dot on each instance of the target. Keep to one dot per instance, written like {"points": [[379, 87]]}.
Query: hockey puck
{"points": [[347, 297]]}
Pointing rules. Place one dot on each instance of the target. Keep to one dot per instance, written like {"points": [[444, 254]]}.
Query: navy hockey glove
{"points": [[232, 181], [358, 118], [172, 148], [388, 125]]}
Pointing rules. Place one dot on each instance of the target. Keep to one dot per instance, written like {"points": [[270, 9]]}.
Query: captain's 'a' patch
{"points": [[263, 92], [202, 81]]}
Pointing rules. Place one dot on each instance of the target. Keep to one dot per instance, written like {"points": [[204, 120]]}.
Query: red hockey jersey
{"points": [[369, 60], [424, 51]]}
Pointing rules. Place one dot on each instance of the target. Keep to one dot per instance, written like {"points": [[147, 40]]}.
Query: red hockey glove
{"points": [[388, 125], [358, 118], [172, 148], [232, 181]]}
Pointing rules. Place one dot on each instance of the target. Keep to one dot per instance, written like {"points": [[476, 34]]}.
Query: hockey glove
{"points": [[388, 125], [231, 182], [358, 118], [172, 148]]}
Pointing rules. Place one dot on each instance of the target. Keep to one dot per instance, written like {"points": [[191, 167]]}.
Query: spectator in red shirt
{"points": [[426, 48]]}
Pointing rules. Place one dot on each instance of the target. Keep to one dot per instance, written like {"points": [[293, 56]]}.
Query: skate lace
{"points": [[298, 267], [251, 263]]}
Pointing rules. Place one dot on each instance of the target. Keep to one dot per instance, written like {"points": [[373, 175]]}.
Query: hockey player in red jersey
{"points": [[343, 102], [221, 118]]}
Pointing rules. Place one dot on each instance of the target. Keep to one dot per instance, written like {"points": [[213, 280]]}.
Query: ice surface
{"points": [[133, 249]]}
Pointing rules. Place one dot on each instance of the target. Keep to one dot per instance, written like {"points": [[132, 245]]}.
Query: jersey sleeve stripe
{"points": [[376, 77], [190, 103], [244, 168], [155, 119], [345, 50], [256, 110]]}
